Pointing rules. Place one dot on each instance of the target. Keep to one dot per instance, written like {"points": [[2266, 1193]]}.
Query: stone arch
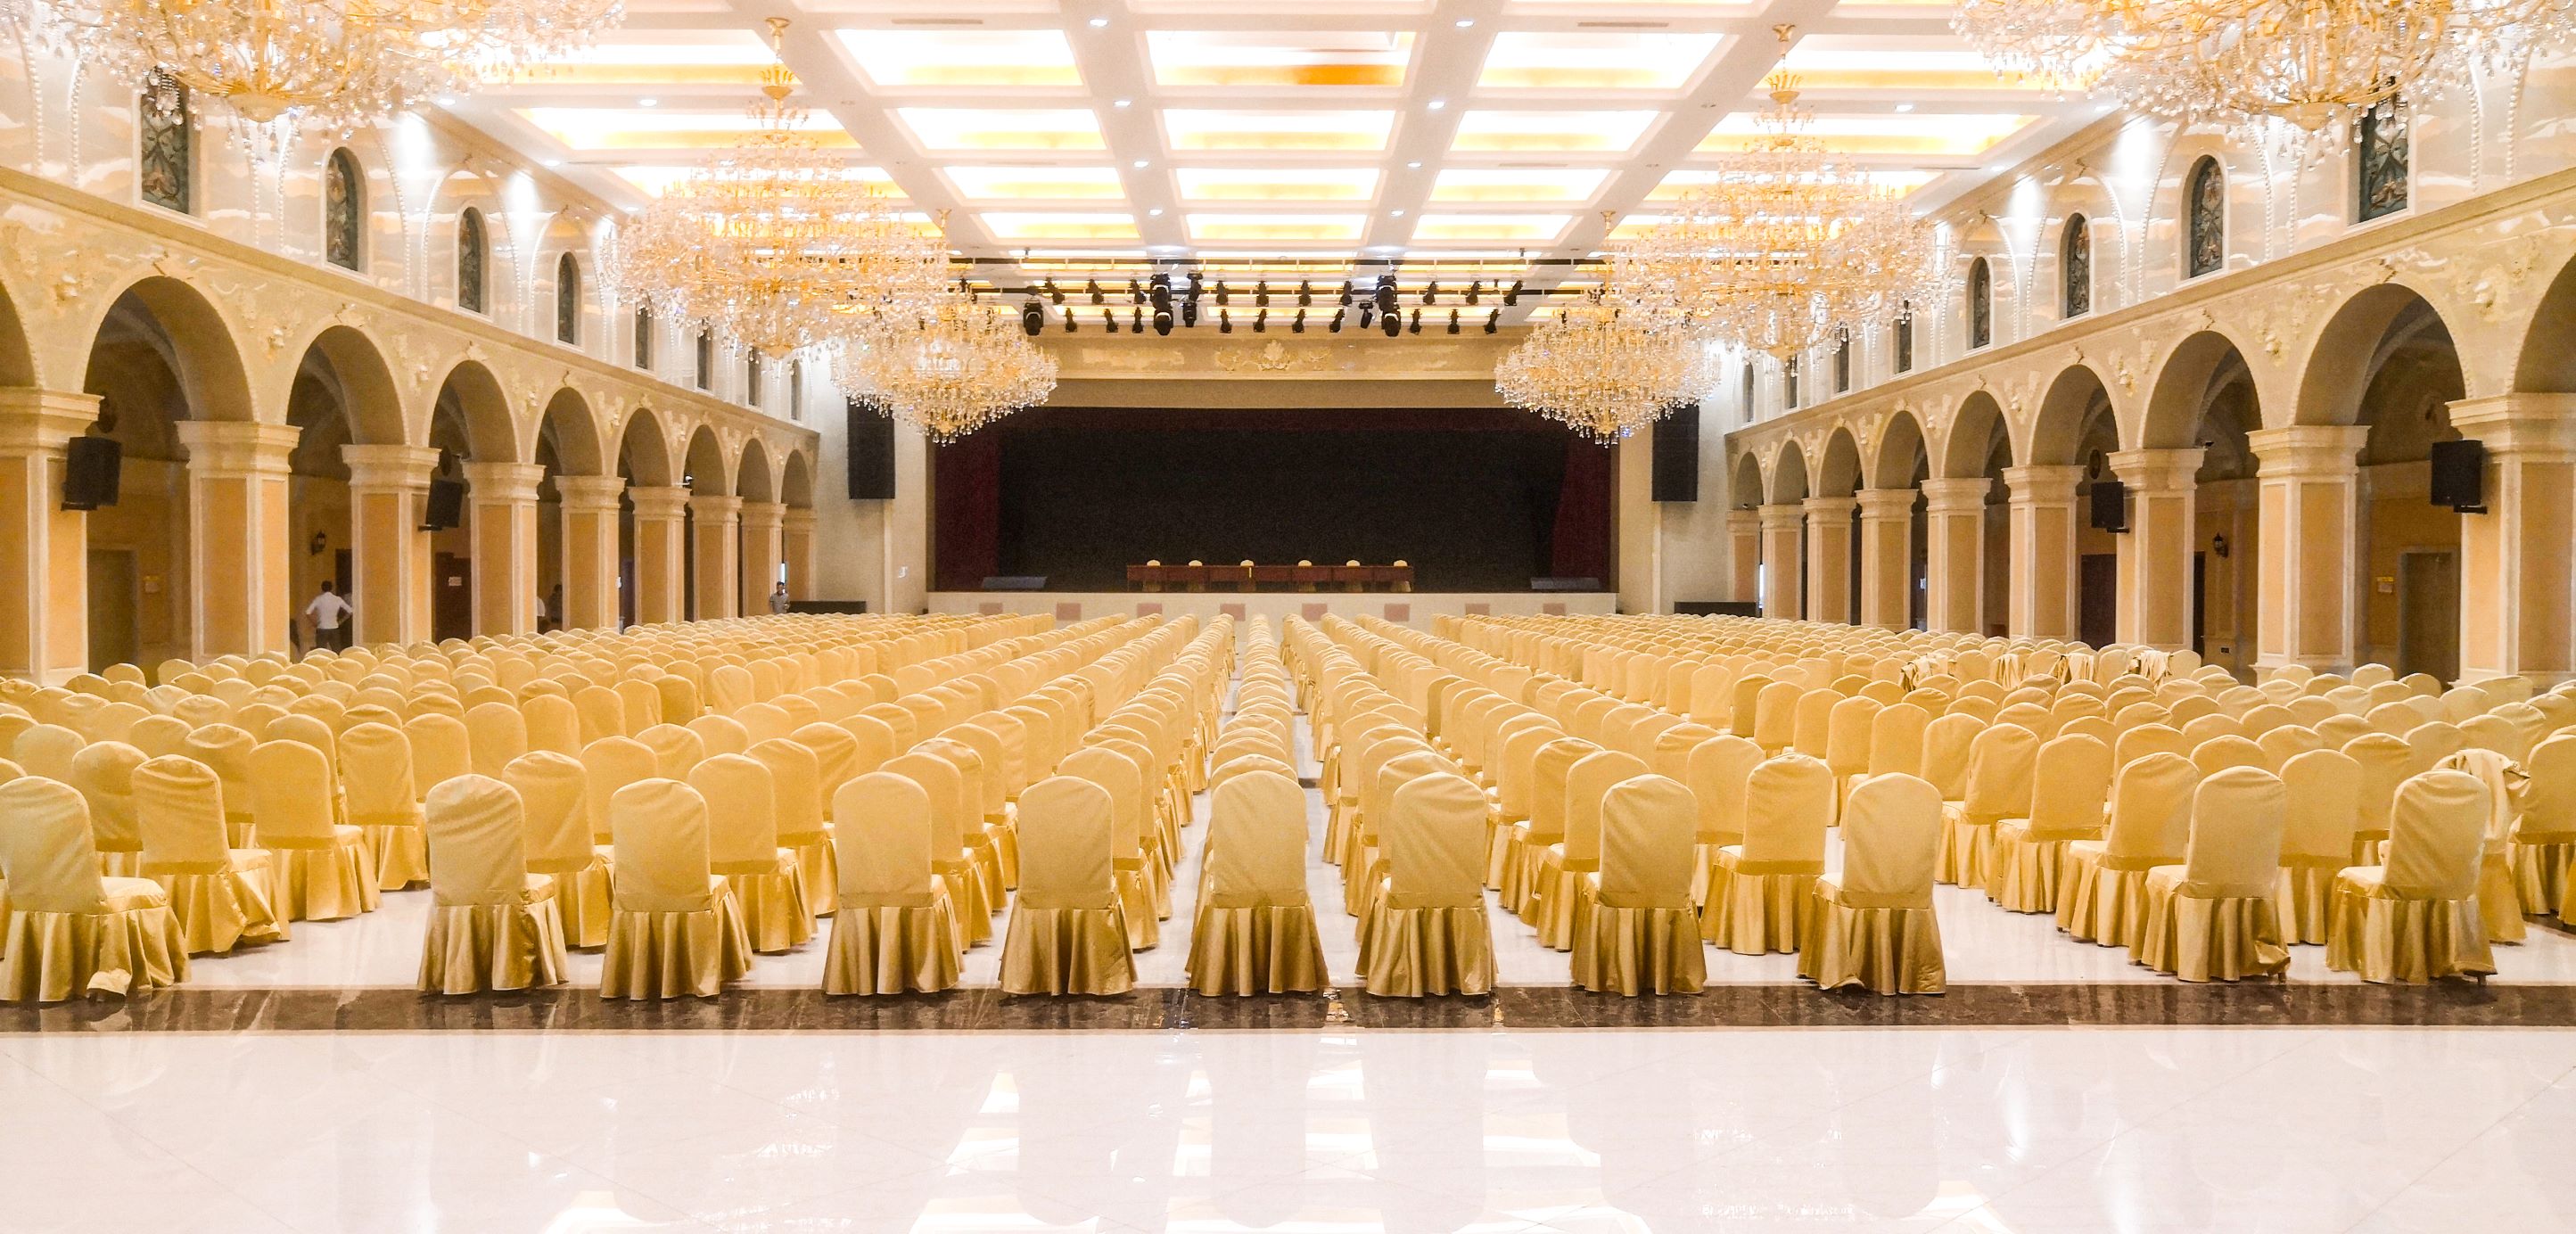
{"points": [[2545, 363], [703, 465], [2351, 348], [1749, 483], [1838, 468], [754, 480], [1900, 447], [644, 451], [475, 397], [503, 271], [17, 357], [2180, 390], [193, 338], [368, 395], [796, 480], [569, 424], [1972, 430], [2065, 414], [1789, 475]]}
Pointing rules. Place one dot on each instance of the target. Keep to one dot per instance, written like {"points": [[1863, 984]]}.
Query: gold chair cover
{"points": [[2506, 784], [2316, 840], [896, 931], [2068, 796], [677, 931], [2102, 883], [1639, 933], [1873, 925], [1124, 781], [1067, 933], [65, 931], [1564, 884], [383, 802], [2416, 919], [1758, 890], [2001, 763], [1427, 931], [221, 896], [973, 884], [742, 842], [322, 869], [104, 773], [553, 790], [492, 924], [2544, 839], [2216, 916], [1254, 932]]}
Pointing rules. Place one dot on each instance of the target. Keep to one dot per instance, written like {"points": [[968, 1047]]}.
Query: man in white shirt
{"points": [[330, 617]]}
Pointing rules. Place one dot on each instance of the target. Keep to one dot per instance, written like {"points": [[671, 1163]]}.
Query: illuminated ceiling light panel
{"points": [[674, 58], [1490, 228], [1554, 60], [967, 129], [935, 58], [657, 178], [1037, 183], [1860, 62], [1901, 179], [1570, 132], [602, 129], [1268, 184], [1061, 226], [1270, 59], [1192, 129], [1635, 226], [1277, 228], [1513, 186], [1911, 134]]}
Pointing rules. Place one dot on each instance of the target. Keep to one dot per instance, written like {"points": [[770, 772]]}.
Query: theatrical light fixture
{"points": [[1195, 287], [1110, 320], [1414, 326], [1190, 312], [1134, 292], [1162, 322], [1069, 324], [1453, 321], [1032, 317], [1494, 321], [1136, 319], [1224, 322], [1054, 292], [1431, 292], [1261, 293], [1346, 293], [1261, 321], [1475, 291], [1385, 294], [1366, 312], [1513, 296], [1092, 288], [1392, 324], [1298, 326], [1224, 294], [1160, 293], [1336, 327], [1305, 293]]}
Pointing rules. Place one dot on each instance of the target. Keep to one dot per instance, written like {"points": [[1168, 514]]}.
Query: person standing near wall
{"points": [[330, 617]]}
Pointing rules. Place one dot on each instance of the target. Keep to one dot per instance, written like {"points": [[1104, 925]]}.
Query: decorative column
{"points": [[1954, 555], [719, 554], [237, 493], [503, 498], [1783, 531], [2040, 593], [798, 548], [1829, 550], [764, 534], [2517, 582], [389, 552], [1886, 557], [1744, 554], [590, 561], [660, 556], [2310, 514], [44, 549], [2155, 599]]}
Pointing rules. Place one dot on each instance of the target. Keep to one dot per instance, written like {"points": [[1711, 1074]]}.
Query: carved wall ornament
{"points": [[1274, 356]]}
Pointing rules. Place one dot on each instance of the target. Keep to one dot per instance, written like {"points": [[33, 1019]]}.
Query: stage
{"points": [[1413, 608]]}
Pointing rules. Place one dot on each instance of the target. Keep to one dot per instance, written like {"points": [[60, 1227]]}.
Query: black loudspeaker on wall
{"points": [[2110, 506], [445, 507], [871, 455], [1677, 455], [2460, 476], [91, 468]]}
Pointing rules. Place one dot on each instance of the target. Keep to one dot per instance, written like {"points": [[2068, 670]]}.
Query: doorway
{"points": [[2097, 620], [115, 632], [451, 606], [2428, 614]]}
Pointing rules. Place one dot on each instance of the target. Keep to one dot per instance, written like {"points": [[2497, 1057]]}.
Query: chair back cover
{"points": [[660, 830], [676, 750], [2549, 797], [2385, 762], [47, 750], [2437, 835], [1256, 847], [2324, 791], [939, 780], [2432, 742], [2227, 750], [1435, 843], [291, 796], [496, 732], [553, 723], [1787, 804], [1067, 834], [1896, 739], [552, 788], [1130, 798], [2072, 788], [179, 807], [46, 856], [1946, 743], [742, 836], [2001, 763], [1549, 770], [103, 772], [612, 763], [1586, 783], [1891, 842], [440, 750], [1649, 830], [795, 786], [2237, 818], [885, 847], [477, 834]]}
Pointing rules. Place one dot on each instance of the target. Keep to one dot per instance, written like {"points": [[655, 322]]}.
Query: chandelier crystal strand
{"points": [[1599, 370], [323, 66], [777, 244], [945, 369]]}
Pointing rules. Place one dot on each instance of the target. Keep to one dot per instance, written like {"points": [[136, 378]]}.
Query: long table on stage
{"points": [[1155, 576], [1415, 609]]}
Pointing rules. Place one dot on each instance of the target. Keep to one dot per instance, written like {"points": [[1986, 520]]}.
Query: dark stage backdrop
{"points": [[1474, 499]]}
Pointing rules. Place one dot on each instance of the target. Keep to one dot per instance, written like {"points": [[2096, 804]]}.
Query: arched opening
{"points": [[1837, 476], [567, 445], [469, 423], [1903, 463], [162, 357], [1784, 544], [643, 461], [1980, 448], [344, 211], [706, 474], [763, 564], [473, 260], [343, 395], [2205, 397], [2076, 428]]}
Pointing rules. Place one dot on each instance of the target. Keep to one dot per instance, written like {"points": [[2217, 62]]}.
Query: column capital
{"points": [[712, 506], [2317, 450], [32, 420], [1830, 507], [1879, 504], [2042, 485], [1784, 517], [1744, 518], [1957, 496], [494, 483], [2520, 424], [757, 515], [660, 502], [590, 493], [389, 468], [237, 449], [800, 518], [2159, 471]]}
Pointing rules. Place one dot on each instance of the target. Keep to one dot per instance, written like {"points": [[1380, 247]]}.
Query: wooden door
{"points": [[115, 631], [451, 605], [2428, 614], [2098, 600]]}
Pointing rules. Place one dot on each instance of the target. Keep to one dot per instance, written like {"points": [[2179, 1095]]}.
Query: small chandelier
{"points": [[327, 66], [945, 369], [1600, 370], [777, 244]]}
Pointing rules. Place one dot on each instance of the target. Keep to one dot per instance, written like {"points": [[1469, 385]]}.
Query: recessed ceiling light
{"points": [[1399, 214], [648, 102], [1905, 107], [1124, 103], [554, 162], [1414, 163], [1098, 22], [1157, 212], [1465, 22], [1139, 164], [1437, 104]]}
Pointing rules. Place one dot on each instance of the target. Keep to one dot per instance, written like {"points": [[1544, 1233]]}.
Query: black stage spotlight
{"points": [[1453, 321], [1431, 292], [1414, 326], [1054, 292], [1346, 293], [1261, 321], [1261, 293], [1337, 320], [1032, 317], [1305, 294], [1163, 321], [1070, 325], [1093, 289], [1159, 292], [1190, 311], [1135, 293], [1392, 324], [1513, 296], [1475, 290], [1385, 293], [1298, 326], [1224, 322], [1494, 321], [1365, 312], [1109, 320], [1195, 278], [1223, 293], [1136, 318]]}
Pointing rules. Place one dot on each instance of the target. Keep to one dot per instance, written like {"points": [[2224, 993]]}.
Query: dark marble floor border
{"points": [[215, 1010]]}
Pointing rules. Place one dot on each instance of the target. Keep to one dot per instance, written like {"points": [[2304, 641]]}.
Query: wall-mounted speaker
{"points": [[446, 505], [92, 466], [2110, 506], [1676, 471], [871, 444], [2460, 476]]}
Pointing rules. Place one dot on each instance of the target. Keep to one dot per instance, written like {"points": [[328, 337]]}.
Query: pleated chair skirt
{"points": [[895, 949], [2388, 939], [1067, 951], [473, 948], [135, 944], [1885, 950], [1256, 949]]}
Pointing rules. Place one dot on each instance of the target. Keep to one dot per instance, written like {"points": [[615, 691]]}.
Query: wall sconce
{"points": [[2218, 544], [320, 544]]}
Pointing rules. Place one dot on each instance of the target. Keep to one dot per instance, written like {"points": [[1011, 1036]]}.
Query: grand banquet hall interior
{"points": [[1577, 616]]}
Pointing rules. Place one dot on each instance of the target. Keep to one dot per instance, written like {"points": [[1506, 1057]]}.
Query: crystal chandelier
{"points": [[1601, 370], [777, 244], [946, 369], [324, 65], [2316, 64]]}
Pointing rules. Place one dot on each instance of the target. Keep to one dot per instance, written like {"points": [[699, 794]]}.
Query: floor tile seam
{"points": [[2466, 1142], [144, 1133]]}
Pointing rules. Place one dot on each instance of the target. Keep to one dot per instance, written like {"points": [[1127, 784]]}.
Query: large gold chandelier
{"points": [[2316, 64], [777, 244], [1600, 369], [323, 65], [947, 368]]}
